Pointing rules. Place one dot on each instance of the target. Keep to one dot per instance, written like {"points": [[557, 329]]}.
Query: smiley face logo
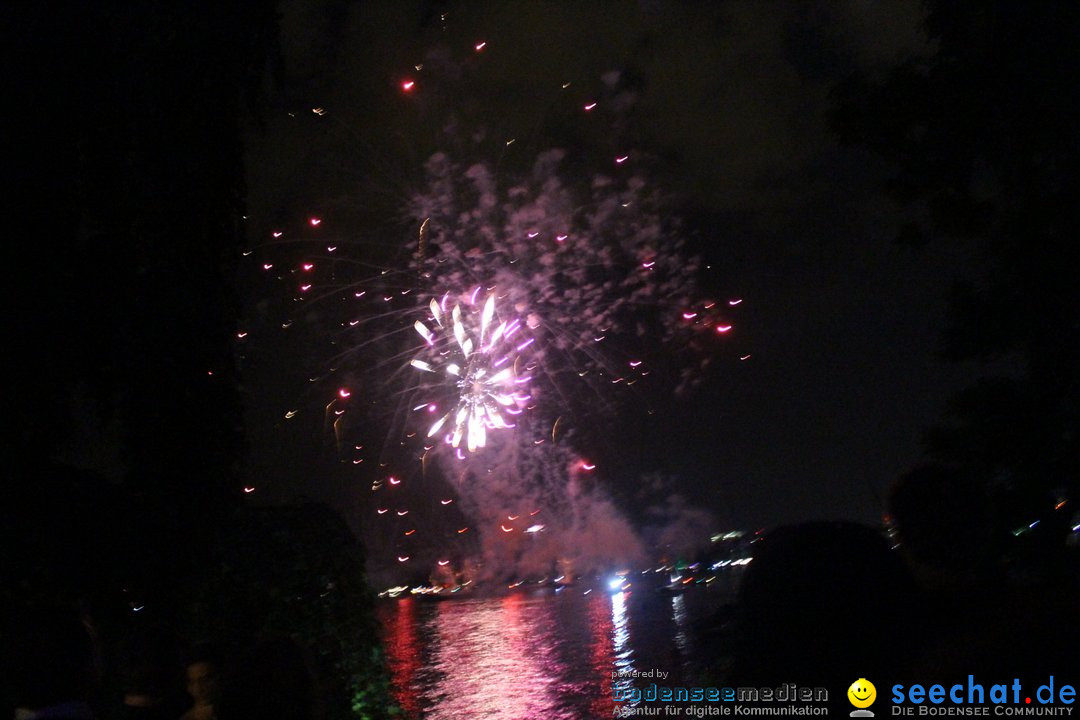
{"points": [[862, 693]]}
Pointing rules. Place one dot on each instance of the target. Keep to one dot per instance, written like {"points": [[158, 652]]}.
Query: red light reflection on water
{"points": [[602, 653], [403, 653], [518, 657]]}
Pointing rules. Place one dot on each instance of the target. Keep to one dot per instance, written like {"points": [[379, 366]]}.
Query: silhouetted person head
{"points": [[271, 680], [983, 624], [945, 524], [822, 603], [202, 677], [148, 672], [51, 660]]}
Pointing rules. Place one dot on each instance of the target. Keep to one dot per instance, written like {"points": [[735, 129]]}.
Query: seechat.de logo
{"points": [[862, 694]]}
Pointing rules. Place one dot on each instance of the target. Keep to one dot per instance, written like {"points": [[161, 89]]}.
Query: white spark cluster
{"points": [[482, 360]]}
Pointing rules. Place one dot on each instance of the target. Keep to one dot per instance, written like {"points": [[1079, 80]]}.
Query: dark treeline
{"points": [[982, 140], [982, 135], [125, 179]]}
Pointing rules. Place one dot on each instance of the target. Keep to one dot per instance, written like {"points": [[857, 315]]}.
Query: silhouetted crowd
{"points": [[57, 669], [822, 604], [948, 595]]}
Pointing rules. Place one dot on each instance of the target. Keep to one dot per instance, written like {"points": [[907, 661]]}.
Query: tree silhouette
{"points": [[982, 136]]}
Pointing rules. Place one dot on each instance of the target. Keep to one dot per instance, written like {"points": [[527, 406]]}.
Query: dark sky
{"points": [[732, 102]]}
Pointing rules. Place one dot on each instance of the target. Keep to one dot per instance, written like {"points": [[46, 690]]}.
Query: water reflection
{"points": [[678, 613], [403, 650], [624, 653], [519, 657], [602, 655]]}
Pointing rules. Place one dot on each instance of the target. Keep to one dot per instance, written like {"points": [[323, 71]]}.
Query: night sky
{"points": [[732, 106], [726, 108]]}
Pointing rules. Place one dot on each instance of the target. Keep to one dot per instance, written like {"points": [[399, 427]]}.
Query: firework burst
{"points": [[557, 289], [598, 270], [480, 360]]}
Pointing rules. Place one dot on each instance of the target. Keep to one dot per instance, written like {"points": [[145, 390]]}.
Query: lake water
{"points": [[543, 654]]}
